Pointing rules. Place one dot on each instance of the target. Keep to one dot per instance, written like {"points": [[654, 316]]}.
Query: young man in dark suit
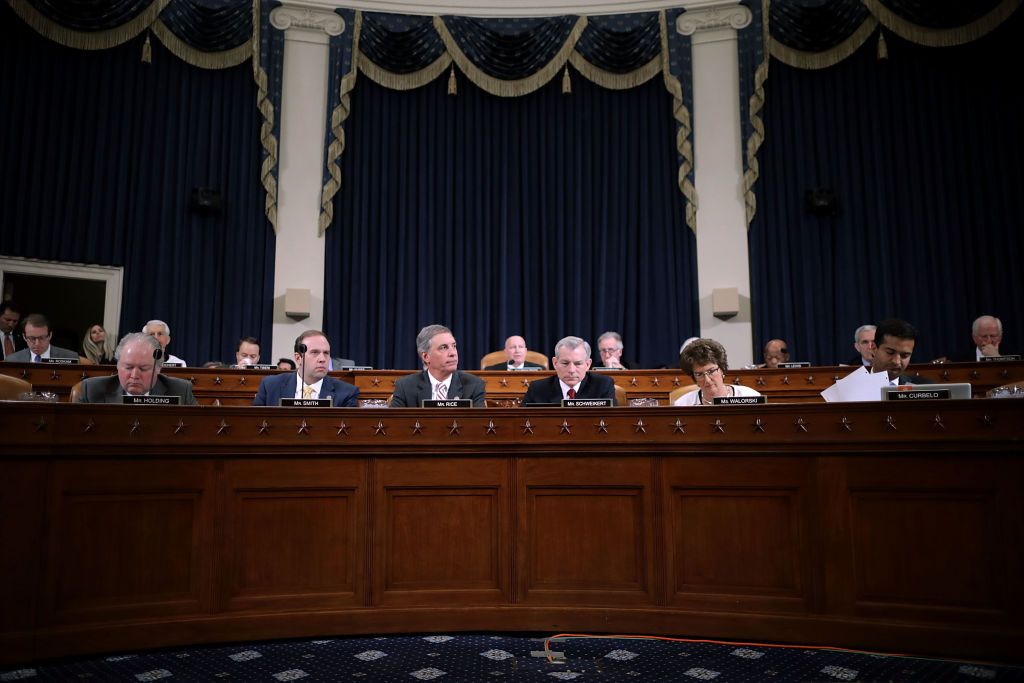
{"points": [[894, 345], [312, 358], [572, 378]]}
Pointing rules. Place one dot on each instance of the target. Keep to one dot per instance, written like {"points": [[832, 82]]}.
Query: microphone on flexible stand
{"points": [[301, 348], [157, 355]]}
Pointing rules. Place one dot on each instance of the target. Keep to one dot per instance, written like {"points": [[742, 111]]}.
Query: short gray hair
{"points": [[428, 333], [572, 343], [611, 335], [977, 323], [167, 327], [144, 338], [862, 328]]}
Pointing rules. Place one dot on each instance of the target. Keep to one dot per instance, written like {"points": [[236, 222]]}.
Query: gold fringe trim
{"points": [[266, 108], [802, 59], [566, 81], [614, 81], [942, 37], [514, 88], [682, 117], [200, 58], [754, 107], [883, 47], [87, 40], [338, 116], [395, 81], [147, 49], [453, 83]]}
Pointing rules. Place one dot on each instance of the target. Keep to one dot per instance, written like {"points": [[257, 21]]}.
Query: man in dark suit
{"points": [[515, 349], [37, 337], [894, 345], [572, 378], [609, 346], [139, 359], [10, 341], [440, 378], [987, 335], [312, 358], [864, 343]]}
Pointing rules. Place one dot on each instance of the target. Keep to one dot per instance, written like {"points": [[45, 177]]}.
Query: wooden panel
{"points": [[585, 531], [442, 531], [22, 513], [295, 534], [127, 542], [737, 534]]}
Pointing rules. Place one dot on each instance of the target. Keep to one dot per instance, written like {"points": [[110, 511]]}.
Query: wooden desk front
{"points": [[881, 526]]}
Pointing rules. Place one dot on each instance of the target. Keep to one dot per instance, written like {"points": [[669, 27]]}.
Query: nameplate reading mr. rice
{"points": [[446, 403], [130, 400], [587, 403], [305, 402]]}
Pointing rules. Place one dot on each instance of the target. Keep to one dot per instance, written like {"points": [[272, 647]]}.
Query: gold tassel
{"points": [[883, 49], [147, 51], [566, 82], [453, 86]]}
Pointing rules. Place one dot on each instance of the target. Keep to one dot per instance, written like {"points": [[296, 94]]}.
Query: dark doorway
{"points": [[72, 305]]}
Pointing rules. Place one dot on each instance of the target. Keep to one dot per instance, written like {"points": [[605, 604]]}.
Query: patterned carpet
{"points": [[488, 657]]}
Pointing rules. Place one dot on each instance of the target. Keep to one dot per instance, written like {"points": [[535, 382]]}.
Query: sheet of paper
{"points": [[859, 385]]}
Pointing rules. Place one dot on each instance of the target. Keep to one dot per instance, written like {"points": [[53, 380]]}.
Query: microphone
{"points": [[301, 349], [157, 355]]}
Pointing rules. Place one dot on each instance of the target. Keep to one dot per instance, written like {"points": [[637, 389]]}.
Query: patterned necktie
{"points": [[572, 393], [307, 391], [8, 344], [441, 392], [37, 359]]}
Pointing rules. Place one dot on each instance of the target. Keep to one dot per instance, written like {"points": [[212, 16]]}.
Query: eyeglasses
{"points": [[605, 352], [33, 340], [701, 375]]}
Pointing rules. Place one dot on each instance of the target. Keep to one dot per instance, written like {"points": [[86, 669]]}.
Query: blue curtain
{"points": [[922, 151], [543, 215], [100, 156]]}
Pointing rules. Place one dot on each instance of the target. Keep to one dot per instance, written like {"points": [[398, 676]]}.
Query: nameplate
{"points": [[257, 366], [132, 400], [604, 369], [173, 365], [587, 403], [738, 400], [59, 361], [525, 368], [346, 368], [917, 394], [795, 364], [446, 403], [305, 403], [997, 359]]}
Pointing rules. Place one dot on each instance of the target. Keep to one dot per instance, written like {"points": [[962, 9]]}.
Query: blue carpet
{"points": [[486, 657]]}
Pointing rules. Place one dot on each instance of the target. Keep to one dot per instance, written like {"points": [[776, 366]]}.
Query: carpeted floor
{"points": [[488, 657]]}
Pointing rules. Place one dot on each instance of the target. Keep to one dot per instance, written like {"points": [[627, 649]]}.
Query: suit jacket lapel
{"points": [[455, 388]]}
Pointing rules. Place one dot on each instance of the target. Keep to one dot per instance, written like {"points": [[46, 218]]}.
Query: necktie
{"points": [[8, 345], [441, 392], [572, 393], [307, 392], [37, 359]]}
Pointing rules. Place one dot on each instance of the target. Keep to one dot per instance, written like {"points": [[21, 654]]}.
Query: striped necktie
{"points": [[441, 392]]}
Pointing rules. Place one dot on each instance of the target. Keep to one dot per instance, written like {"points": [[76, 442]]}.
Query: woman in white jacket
{"points": [[705, 360]]}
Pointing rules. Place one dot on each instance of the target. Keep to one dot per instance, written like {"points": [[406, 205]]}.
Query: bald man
{"points": [[515, 349]]}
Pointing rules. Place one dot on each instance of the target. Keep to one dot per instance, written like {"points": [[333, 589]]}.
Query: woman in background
{"points": [[97, 346]]}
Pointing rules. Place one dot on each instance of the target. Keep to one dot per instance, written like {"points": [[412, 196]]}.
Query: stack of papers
{"points": [[859, 385]]}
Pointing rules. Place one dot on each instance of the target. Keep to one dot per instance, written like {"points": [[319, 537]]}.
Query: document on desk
{"points": [[859, 385]]}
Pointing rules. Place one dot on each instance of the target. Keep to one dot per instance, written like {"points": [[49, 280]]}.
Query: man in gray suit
{"points": [[440, 379], [37, 334], [139, 358]]}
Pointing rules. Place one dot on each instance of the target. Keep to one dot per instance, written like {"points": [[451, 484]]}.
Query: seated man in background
{"points": [[705, 361], [572, 378], [515, 349], [775, 352], [285, 364], [37, 336], [440, 379], [987, 334], [138, 374], [10, 341], [609, 346], [312, 355], [894, 345], [864, 343], [247, 352], [162, 332]]}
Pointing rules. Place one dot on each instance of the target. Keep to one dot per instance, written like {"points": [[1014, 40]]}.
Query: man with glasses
{"points": [[37, 336], [609, 345], [572, 378], [987, 334]]}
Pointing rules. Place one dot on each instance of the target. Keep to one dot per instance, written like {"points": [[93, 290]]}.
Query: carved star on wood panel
{"points": [[192, 379], [937, 423], [678, 427], [718, 426], [379, 429], [84, 375], [223, 427], [639, 427], [24, 374], [303, 428], [566, 427], [217, 380], [89, 426], [676, 382], [54, 375], [342, 428], [759, 425], [633, 382], [135, 427], [503, 382], [761, 382], [264, 427], [801, 425], [491, 428], [655, 381], [180, 427], [243, 380], [975, 374], [455, 429], [945, 374], [846, 424], [986, 421], [810, 379], [527, 427], [526, 382], [890, 422], [602, 427], [785, 379], [375, 381], [40, 424], [417, 427]]}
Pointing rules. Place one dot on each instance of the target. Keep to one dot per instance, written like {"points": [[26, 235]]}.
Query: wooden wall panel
{"points": [[585, 531], [295, 534], [22, 514], [442, 531]]}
